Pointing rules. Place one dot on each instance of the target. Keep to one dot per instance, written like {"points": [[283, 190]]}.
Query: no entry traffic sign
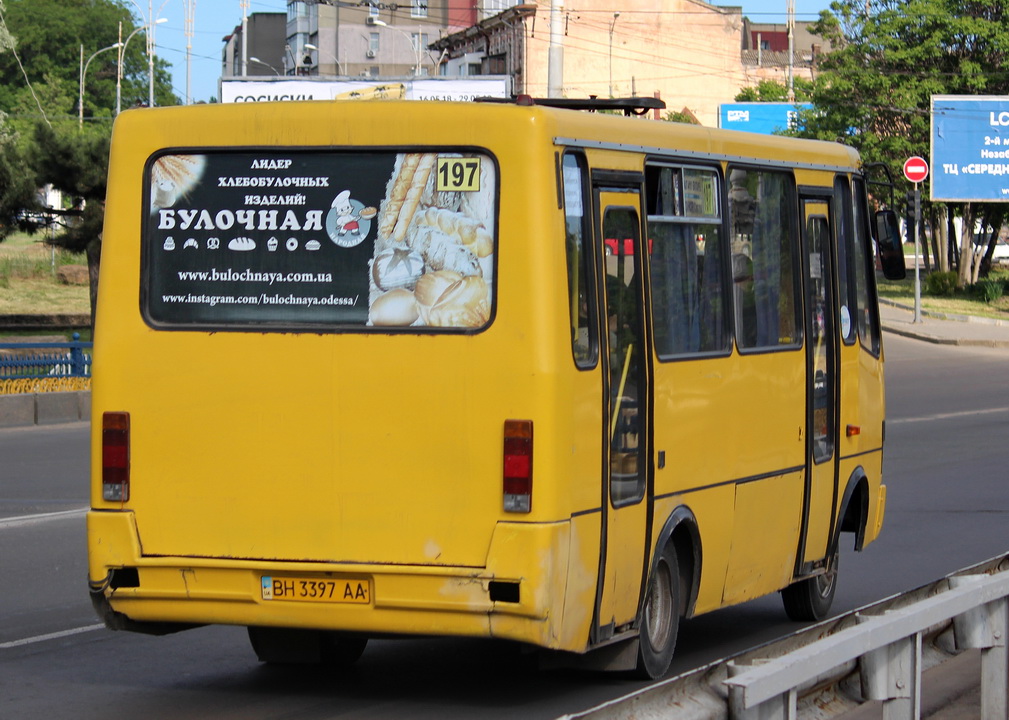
{"points": [[915, 169]]}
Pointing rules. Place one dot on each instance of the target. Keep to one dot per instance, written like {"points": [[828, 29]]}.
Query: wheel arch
{"points": [[854, 515], [680, 529]]}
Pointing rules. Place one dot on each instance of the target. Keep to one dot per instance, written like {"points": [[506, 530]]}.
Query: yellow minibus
{"points": [[501, 370]]}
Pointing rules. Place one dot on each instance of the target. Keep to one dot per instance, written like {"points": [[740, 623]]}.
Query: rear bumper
{"points": [[512, 597]]}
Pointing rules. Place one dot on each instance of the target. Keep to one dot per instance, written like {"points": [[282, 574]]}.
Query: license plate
{"points": [[305, 589]]}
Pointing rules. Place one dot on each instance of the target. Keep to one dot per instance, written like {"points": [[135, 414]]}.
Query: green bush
{"points": [[989, 290], [941, 284]]}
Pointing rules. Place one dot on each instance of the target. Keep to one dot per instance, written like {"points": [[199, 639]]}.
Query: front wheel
{"points": [[810, 600], [660, 618]]}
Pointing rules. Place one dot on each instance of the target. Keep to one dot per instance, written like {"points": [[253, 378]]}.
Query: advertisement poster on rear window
{"points": [[368, 240]]}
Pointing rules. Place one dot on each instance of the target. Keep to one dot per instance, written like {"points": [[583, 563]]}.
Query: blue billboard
{"points": [[765, 118], [970, 148]]}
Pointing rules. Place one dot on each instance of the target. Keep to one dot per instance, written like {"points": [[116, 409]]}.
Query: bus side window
{"points": [[765, 278], [584, 343], [842, 214], [686, 265], [867, 320]]}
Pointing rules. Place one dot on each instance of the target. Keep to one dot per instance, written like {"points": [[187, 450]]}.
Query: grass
{"points": [[28, 284], [962, 302]]}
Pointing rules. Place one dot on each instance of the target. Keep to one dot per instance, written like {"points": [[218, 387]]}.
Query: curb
{"points": [[44, 408], [903, 331], [957, 342]]}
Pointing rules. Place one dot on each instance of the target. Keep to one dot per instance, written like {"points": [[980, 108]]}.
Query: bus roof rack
{"points": [[629, 105]]}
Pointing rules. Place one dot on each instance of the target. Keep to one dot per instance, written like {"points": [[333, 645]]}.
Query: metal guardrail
{"points": [[20, 361], [876, 653], [889, 652]]}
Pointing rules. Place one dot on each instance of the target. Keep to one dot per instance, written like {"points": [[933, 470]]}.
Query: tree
{"points": [[49, 35], [889, 57], [42, 138], [774, 91]]}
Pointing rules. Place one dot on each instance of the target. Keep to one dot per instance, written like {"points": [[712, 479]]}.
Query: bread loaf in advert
{"points": [[442, 252], [464, 304], [396, 268], [432, 285], [412, 200], [395, 308], [395, 193], [462, 229]]}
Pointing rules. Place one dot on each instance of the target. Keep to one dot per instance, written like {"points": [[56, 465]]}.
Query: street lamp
{"points": [[151, 22], [416, 68], [310, 46], [122, 56], [257, 60], [84, 69]]}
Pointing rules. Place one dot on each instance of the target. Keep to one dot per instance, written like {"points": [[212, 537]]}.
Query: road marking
{"points": [[947, 416], [50, 636], [22, 520]]}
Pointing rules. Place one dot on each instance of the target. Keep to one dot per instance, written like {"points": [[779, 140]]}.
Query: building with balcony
{"points": [[693, 55]]}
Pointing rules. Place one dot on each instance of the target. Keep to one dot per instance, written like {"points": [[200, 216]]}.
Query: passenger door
{"points": [[821, 384], [627, 395]]}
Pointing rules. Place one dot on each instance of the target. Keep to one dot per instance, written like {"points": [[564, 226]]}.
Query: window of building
{"points": [[765, 272], [419, 41], [496, 65], [686, 262], [418, 9], [373, 42]]}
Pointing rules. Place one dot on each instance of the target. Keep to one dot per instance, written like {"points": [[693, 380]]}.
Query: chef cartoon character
{"points": [[346, 216], [348, 221]]}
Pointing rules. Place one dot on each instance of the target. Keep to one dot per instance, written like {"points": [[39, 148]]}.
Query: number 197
{"points": [[458, 174]]}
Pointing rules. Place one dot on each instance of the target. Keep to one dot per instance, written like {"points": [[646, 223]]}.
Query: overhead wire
{"points": [[14, 52]]}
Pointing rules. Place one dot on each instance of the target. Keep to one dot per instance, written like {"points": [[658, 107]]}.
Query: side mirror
{"points": [[891, 252]]}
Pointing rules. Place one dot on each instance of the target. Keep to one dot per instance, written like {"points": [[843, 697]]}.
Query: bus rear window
{"points": [[320, 240]]}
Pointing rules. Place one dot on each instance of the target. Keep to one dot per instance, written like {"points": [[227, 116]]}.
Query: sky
{"points": [[213, 19]]}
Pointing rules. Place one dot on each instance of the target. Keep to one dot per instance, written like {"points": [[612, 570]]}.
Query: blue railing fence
{"points": [[23, 360]]}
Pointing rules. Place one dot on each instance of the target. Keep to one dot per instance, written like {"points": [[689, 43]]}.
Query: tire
{"points": [[289, 646], [810, 600], [660, 618]]}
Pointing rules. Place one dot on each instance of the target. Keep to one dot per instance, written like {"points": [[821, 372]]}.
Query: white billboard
{"points": [[294, 89]]}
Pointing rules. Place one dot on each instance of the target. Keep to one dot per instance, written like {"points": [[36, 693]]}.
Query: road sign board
{"points": [[915, 169]]}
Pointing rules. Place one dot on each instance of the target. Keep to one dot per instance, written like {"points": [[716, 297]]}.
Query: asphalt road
{"points": [[948, 420]]}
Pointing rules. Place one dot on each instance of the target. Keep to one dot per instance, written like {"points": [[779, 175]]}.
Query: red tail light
{"points": [[518, 465], [116, 456]]}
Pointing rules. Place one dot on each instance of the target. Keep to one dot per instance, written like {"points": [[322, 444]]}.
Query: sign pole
{"points": [[917, 247], [916, 170]]}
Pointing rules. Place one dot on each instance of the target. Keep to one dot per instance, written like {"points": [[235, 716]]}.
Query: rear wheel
{"points": [[660, 618], [290, 646], [810, 600]]}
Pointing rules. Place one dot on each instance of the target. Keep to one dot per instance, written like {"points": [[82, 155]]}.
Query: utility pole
{"points": [[555, 58], [245, 35], [791, 50], [189, 8]]}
